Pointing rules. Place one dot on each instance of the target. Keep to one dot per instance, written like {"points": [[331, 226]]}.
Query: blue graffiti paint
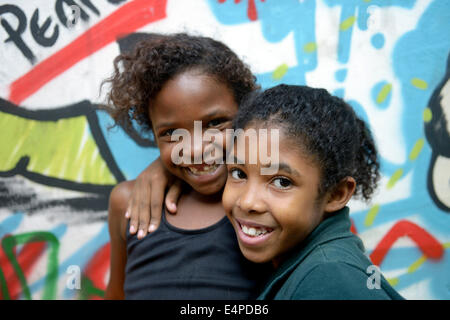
{"points": [[130, 157], [360, 112], [83, 255], [377, 40], [11, 223], [278, 19], [340, 75], [80, 258], [58, 232], [339, 93], [358, 9]]}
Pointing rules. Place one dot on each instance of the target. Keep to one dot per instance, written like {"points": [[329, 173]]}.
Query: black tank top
{"points": [[173, 263]]}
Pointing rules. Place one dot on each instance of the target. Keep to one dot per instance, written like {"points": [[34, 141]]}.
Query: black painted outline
{"points": [[437, 135]]}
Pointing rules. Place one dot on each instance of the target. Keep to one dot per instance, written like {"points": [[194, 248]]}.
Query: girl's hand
{"points": [[146, 202]]}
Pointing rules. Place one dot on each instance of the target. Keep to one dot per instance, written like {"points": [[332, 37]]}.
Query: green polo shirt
{"points": [[329, 264]]}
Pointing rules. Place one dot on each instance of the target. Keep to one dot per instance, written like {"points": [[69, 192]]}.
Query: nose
{"points": [[196, 150], [252, 199]]}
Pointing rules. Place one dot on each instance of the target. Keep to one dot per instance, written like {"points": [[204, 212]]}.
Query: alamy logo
{"points": [[73, 281], [208, 147], [374, 280]]}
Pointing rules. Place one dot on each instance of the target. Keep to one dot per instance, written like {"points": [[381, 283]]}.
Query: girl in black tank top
{"points": [[171, 83], [173, 263]]}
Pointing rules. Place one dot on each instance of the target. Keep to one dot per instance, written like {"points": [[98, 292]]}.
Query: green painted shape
{"points": [[62, 149], [88, 289], [347, 23], [310, 47], [427, 115], [416, 149], [384, 92], [419, 83], [4, 286], [394, 178], [280, 71], [8, 244]]}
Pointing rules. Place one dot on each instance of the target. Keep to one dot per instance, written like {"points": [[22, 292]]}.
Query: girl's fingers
{"points": [[172, 196], [139, 206], [157, 198]]}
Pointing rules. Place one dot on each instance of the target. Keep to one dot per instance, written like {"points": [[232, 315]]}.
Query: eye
{"points": [[216, 122], [166, 133], [237, 174], [282, 183]]}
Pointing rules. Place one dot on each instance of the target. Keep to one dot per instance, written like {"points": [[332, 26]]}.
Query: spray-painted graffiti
{"points": [[437, 130], [58, 161]]}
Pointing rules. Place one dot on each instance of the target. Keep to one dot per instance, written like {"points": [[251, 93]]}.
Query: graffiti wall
{"points": [[58, 161]]}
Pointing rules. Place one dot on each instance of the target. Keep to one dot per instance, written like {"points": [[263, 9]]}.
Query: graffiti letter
{"points": [[14, 35], [373, 282], [89, 4], [69, 22], [74, 279], [38, 32]]}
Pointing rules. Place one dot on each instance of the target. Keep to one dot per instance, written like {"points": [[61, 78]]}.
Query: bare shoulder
{"points": [[118, 203], [120, 194]]}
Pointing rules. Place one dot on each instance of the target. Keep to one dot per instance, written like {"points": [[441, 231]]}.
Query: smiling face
{"points": [[273, 213], [192, 96]]}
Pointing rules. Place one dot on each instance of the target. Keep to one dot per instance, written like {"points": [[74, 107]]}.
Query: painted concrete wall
{"points": [[58, 162]]}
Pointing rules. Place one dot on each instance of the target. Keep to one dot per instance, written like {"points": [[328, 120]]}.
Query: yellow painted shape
{"points": [[427, 115], [55, 148], [419, 83], [347, 23], [384, 92], [416, 264], [371, 215], [416, 149], [310, 47], [280, 72], [393, 281], [394, 178]]}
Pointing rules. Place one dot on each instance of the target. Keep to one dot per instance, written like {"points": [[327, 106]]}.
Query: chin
{"points": [[254, 256], [209, 188]]}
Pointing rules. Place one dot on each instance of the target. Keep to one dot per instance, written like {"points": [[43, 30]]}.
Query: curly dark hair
{"points": [[324, 127], [139, 75]]}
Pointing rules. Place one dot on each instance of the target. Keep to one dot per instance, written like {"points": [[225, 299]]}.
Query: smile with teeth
{"points": [[203, 169], [254, 231]]}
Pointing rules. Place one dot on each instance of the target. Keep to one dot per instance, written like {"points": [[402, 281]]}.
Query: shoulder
{"points": [[120, 194], [335, 280], [118, 203]]}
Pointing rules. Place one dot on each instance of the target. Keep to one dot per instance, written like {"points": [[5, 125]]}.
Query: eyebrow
{"points": [[281, 166], [284, 167], [164, 125], [212, 114]]}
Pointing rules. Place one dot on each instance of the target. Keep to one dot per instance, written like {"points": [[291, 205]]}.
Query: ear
{"points": [[341, 194]]}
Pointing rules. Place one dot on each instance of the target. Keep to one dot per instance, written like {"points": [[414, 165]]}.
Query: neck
{"points": [[206, 198]]}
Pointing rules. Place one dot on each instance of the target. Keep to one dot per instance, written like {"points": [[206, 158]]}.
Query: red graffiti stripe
{"points": [[252, 13], [124, 20], [28, 256], [353, 227], [98, 266], [429, 246], [251, 10]]}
